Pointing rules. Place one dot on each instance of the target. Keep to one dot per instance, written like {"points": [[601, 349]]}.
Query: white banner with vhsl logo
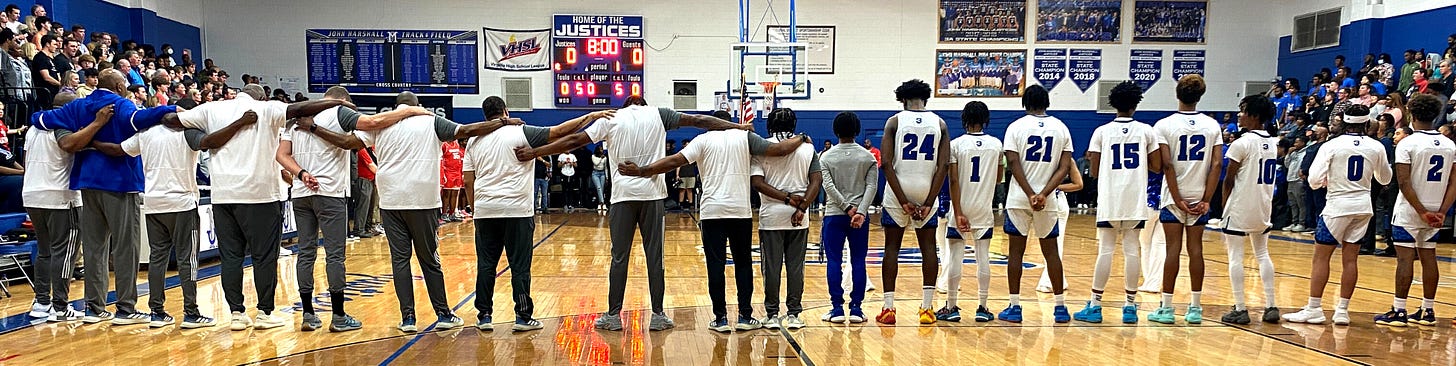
{"points": [[517, 50]]}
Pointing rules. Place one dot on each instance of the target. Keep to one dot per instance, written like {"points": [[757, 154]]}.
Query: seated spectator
{"points": [[12, 177], [1419, 83], [89, 85]]}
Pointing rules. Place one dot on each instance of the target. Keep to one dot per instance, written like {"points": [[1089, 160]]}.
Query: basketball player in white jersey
{"points": [[1038, 149], [975, 168], [1423, 163], [1347, 165], [1120, 153], [1248, 192], [504, 217], [1192, 145], [637, 133], [916, 148]]}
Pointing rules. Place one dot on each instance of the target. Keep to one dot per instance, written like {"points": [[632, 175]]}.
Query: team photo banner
{"points": [[517, 50], [981, 21], [1050, 65], [1189, 62], [1085, 67], [1145, 67], [1170, 22], [980, 73], [1079, 21]]}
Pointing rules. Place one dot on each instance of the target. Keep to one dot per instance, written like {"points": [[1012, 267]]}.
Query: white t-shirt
{"points": [[977, 159], [1124, 145], [789, 173], [1040, 140], [1430, 156], [169, 161], [568, 164], [503, 185], [1192, 138], [1346, 164], [409, 161], [723, 162], [326, 162], [47, 173], [917, 137], [1253, 193], [244, 170], [637, 134]]}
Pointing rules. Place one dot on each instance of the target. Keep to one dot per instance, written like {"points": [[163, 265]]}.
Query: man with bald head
{"points": [[247, 204], [317, 153], [109, 188], [409, 163]]}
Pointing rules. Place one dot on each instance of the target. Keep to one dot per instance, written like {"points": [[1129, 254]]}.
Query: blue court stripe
{"points": [[462, 303]]}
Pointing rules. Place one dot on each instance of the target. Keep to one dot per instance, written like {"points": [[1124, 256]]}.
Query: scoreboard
{"points": [[597, 60], [391, 61]]}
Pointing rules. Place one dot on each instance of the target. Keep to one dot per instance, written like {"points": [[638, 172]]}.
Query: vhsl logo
{"points": [[514, 48]]}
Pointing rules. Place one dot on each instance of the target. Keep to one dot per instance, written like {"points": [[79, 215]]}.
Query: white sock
{"points": [[1061, 299], [1096, 299], [1167, 300], [1314, 303], [1266, 268], [1130, 300], [890, 300], [1235, 246], [928, 299], [1428, 304], [1015, 299], [1399, 304], [1197, 295], [1342, 305]]}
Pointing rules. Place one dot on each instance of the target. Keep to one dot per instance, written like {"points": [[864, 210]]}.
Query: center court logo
{"points": [[356, 285]]}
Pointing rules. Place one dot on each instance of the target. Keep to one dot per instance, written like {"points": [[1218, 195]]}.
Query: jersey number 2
{"points": [[1437, 162]]}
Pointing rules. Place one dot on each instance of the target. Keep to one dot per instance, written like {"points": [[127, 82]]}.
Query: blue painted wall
{"points": [[819, 124], [1394, 35], [141, 25]]}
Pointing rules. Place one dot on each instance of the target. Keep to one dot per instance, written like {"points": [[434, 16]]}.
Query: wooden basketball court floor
{"points": [[570, 285]]}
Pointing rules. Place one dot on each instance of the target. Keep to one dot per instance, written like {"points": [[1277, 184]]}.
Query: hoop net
{"points": [[770, 90]]}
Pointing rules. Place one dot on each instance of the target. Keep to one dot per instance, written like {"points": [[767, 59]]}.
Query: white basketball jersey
{"points": [[1430, 156], [1122, 172], [1251, 200], [1192, 138], [977, 157], [1346, 165], [917, 137], [1040, 140]]}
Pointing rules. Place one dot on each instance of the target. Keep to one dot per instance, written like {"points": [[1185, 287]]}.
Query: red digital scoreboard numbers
{"points": [[597, 60]]}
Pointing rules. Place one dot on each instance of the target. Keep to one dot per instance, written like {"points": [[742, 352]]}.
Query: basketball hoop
{"points": [[770, 90]]}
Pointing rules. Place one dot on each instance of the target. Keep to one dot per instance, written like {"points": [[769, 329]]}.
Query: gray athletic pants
{"points": [[248, 229], [783, 248], [363, 204], [514, 236], [112, 240], [56, 232], [414, 230], [646, 217], [168, 231], [327, 214]]}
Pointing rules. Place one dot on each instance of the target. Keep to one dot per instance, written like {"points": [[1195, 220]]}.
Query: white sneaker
{"points": [[792, 322], [1342, 317], [771, 322], [267, 321], [284, 252], [38, 310], [869, 286], [240, 321], [68, 315], [1307, 315]]}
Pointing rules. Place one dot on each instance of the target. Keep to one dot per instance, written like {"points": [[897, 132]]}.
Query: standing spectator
{"points": [[1292, 161], [451, 180], [599, 176], [44, 67], [873, 151], [130, 66], [1344, 77], [364, 194], [543, 183], [566, 162], [1407, 70], [688, 175], [15, 72], [1384, 71], [1448, 78], [11, 17], [78, 33]]}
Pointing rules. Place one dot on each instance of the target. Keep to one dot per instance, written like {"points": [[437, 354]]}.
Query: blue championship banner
{"points": [[1187, 62], [1050, 66], [1085, 67], [392, 61], [1145, 67]]}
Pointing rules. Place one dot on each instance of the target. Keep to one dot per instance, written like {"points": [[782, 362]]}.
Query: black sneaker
{"points": [[160, 319], [1240, 317], [311, 322], [1271, 315]]}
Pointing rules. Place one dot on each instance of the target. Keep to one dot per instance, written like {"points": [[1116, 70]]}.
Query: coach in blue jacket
{"points": [[109, 188]]}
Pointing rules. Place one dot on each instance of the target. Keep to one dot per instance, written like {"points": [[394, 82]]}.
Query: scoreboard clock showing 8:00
{"points": [[597, 60]]}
